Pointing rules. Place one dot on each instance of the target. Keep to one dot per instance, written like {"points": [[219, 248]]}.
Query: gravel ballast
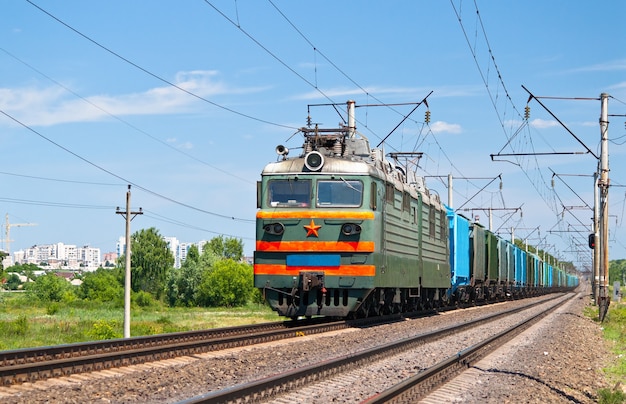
{"points": [[562, 363]]}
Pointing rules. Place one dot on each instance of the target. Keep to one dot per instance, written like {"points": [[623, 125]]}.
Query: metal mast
{"points": [[603, 185]]}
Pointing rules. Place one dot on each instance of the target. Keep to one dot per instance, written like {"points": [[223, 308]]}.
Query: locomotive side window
{"points": [[406, 201], [373, 196], [390, 193], [289, 192], [431, 222], [339, 192]]}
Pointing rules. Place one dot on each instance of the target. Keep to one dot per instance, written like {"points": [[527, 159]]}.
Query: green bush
{"points": [[103, 329], [52, 308], [50, 288], [143, 299], [102, 285], [228, 283]]}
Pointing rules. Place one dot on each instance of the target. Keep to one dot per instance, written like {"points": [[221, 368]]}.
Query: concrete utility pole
{"points": [[128, 215], [603, 185]]}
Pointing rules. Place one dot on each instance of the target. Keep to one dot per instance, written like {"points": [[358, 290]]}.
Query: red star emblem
{"points": [[311, 229]]}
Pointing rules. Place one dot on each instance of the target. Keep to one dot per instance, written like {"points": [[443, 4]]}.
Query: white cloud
{"points": [[384, 92], [618, 86], [444, 127], [542, 123], [614, 65], [54, 105], [589, 124]]}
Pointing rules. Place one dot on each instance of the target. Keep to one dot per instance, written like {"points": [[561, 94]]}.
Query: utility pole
{"points": [[603, 185], [596, 237], [128, 215]]}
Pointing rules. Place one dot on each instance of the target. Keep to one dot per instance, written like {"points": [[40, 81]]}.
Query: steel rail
{"points": [[281, 383], [29, 365], [416, 387]]}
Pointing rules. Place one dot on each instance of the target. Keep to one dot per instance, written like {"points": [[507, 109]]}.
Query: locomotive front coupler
{"points": [[311, 280]]}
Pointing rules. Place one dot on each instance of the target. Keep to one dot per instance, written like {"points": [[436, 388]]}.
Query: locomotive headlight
{"points": [[350, 228], [274, 228], [314, 161]]}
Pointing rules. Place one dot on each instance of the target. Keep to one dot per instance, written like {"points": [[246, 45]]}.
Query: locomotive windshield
{"points": [[339, 193], [289, 192]]}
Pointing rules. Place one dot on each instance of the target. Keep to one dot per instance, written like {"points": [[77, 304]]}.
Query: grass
{"points": [[26, 323], [613, 330]]}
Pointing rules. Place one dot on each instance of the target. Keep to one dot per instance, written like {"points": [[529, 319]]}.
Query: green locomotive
{"points": [[342, 231]]}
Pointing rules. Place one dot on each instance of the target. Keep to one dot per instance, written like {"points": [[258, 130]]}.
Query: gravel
{"points": [[563, 358], [562, 363]]}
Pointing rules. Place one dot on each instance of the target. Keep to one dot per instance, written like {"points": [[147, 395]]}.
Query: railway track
{"points": [[31, 365], [316, 376], [417, 387]]}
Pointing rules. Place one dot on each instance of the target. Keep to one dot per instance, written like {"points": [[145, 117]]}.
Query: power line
{"points": [[154, 75], [291, 69], [125, 122], [334, 65], [54, 204], [60, 180], [165, 219], [118, 176], [540, 184]]}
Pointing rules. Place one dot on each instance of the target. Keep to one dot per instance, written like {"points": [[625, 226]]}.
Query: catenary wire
{"points": [[123, 121], [91, 163], [154, 75]]}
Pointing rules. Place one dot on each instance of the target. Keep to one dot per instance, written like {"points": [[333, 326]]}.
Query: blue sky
{"points": [[187, 101]]}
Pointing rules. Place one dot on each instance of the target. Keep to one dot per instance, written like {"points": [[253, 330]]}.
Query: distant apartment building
{"points": [[65, 256], [109, 258], [60, 256]]}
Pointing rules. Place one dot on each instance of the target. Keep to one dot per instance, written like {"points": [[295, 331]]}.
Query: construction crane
{"points": [[8, 226]]}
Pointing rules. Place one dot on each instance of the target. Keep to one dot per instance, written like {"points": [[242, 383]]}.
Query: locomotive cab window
{"points": [[339, 193], [289, 193]]}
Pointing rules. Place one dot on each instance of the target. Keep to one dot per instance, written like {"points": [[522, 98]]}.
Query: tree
{"points": [[617, 271], [102, 286], [228, 283], [193, 255], [50, 288], [2, 256], [183, 284], [229, 248], [27, 270], [13, 282], [150, 260]]}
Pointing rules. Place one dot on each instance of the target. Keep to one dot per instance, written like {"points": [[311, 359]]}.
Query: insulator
{"points": [[337, 148], [526, 112], [427, 117], [308, 148]]}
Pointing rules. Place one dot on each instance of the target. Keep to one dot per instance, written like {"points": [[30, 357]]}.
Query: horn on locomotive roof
{"points": [[282, 150]]}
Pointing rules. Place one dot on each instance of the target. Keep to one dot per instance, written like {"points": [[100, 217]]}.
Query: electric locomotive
{"points": [[343, 231]]}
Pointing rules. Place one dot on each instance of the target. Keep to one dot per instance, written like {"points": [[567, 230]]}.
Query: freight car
{"points": [[343, 231], [487, 267]]}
